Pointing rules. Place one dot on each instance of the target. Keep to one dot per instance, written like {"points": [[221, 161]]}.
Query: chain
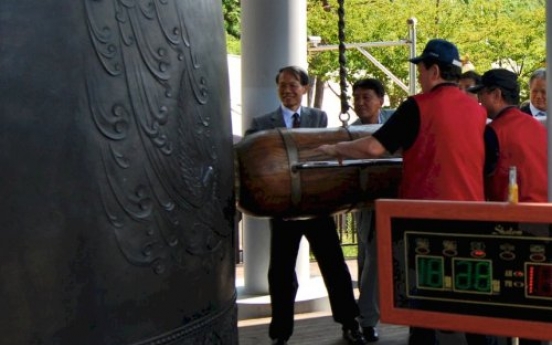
{"points": [[344, 115]]}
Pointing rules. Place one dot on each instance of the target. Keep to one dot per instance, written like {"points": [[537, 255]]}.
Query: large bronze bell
{"points": [[117, 181]]}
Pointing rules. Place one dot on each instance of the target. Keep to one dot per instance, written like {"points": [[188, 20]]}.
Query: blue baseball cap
{"points": [[440, 50]]}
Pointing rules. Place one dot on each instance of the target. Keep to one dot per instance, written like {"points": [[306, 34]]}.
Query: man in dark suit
{"points": [[536, 106], [321, 232]]}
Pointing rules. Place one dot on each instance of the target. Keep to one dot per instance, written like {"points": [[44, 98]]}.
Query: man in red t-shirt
{"points": [[440, 133], [512, 139]]}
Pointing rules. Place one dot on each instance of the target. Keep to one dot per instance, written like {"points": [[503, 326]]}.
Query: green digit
{"points": [[472, 275], [482, 276], [430, 272], [435, 276], [421, 271], [463, 275]]}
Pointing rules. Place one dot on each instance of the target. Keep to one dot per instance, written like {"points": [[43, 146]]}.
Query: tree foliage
{"points": [[490, 33], [231, 12]]}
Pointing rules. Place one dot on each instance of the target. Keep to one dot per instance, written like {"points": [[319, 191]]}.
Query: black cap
{"points": [[499, 77], [440, 50]]}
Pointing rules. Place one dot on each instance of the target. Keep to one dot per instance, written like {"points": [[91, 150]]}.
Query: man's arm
{"points": [[401, 129], [492, 150], [367, 147], [399, 132]]}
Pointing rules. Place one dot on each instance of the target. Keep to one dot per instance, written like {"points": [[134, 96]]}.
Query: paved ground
{"points": [[319, 328], [313, 328]]}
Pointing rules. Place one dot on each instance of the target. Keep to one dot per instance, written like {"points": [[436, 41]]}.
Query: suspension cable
{"points": [[344, 115]]}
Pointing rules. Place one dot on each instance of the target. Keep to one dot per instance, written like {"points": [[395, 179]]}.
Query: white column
{"points": [[274, 34]]}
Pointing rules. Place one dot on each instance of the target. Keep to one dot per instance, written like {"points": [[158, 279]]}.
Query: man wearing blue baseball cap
{"points": [[440, 50], [440, 133]]}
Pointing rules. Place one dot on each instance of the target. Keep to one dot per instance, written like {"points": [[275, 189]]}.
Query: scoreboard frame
{"points": [[393, 312]]}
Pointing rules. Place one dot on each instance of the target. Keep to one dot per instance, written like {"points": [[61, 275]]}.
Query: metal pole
{"points": [[549, 92], [548, 109], [548, 103], [412, 31], [383, 69], [328, 47]]}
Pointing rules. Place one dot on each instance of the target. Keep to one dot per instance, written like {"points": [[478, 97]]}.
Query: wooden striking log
{"points": [[279, 173]]}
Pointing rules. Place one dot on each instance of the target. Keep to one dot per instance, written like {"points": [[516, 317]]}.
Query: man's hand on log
{"points": [[331, 150]]}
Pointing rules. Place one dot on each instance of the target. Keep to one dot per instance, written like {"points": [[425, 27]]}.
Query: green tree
{"points": [[231, 11], [509, 33]]}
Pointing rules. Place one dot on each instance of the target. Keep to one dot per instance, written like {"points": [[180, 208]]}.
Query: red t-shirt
{"points": [[521, 143], [446, 160]]}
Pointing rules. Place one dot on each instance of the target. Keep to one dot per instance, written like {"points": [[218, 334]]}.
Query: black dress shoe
{"points": [[370, 334], [354, 337]]}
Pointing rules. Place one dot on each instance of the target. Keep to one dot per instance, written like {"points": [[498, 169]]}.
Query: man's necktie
{"points": [[296, 121], [540, 113]]}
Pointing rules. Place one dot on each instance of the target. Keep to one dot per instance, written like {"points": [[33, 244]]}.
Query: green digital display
{"points": [[467, 275], [472, 275], [430, 272]]}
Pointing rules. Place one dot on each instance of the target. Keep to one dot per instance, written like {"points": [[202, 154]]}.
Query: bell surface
{"points": [[117, 201]]}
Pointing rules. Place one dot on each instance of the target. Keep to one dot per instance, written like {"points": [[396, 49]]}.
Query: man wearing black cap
{"points": [[512, 139], [440, 132]]}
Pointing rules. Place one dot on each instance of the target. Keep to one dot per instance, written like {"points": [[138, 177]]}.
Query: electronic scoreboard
{"points": [[466, 266]]}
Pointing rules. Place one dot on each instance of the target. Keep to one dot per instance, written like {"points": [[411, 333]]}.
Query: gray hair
{"points": [[538, 74]]}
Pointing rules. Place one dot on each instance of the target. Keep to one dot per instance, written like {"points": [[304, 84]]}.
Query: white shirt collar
{"points": [[534, 110], [380, 118], [288, 113]]}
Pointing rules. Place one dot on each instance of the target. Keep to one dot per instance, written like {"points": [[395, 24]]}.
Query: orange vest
{"points": [[447, 158], [522, 143]]}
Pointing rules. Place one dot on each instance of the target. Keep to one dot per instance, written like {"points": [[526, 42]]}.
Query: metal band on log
{"points": [[293, 156], [279, 173]]}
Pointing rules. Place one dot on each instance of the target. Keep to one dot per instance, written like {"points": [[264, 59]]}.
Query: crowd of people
{"points": [[440, 162]]}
